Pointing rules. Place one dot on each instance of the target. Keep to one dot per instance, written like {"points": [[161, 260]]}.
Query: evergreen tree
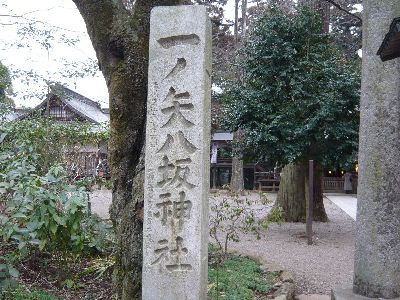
{"points": [[299, 97]]}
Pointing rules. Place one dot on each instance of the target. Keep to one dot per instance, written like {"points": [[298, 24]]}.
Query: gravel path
{"points": [[317, 268]]}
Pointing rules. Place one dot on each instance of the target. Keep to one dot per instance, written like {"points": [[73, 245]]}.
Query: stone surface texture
{"points": [[312, 297], [348, 294], [286, 290], [377, 250], [177, 154]]}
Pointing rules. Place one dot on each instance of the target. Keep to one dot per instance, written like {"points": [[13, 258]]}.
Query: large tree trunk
{"points": [[319, 208], [293, 192], [319, 213], [120, 39]]}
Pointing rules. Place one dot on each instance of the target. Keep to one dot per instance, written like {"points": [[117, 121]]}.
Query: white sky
{"points": [[60, 17], [50, 64]]}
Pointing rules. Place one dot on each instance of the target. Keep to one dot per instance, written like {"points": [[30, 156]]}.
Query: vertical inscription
{"points": [[173, 173], [177, 146]]}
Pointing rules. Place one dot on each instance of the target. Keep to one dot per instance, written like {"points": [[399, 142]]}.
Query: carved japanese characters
{"points": [[177, 155]]}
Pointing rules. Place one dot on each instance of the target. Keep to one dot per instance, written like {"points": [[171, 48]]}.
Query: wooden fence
{"points": [[333, 184], [266, 181]]}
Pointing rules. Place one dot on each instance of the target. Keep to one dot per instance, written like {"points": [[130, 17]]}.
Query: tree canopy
{"points": [[5, 86], [299, 97]]}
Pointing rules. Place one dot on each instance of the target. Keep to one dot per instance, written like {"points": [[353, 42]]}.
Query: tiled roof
{"points": [[82, 106], [15, 114]]}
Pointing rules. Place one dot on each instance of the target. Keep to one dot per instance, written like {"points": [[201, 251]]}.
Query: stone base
{"points": [[348, 294]]}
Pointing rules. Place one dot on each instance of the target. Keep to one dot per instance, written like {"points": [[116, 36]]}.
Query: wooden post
{"points": [[310, 201]]}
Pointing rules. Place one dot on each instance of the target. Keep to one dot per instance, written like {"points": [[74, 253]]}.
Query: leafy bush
{"points": [[45, 211], [23, 293], [8, 273], [275, 215], [39, 205]]}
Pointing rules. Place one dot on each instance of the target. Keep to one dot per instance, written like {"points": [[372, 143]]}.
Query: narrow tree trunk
{"points": [[237, 182], [293, 190], [323, 8], [244, 18], [237, 179], [236, 25]]}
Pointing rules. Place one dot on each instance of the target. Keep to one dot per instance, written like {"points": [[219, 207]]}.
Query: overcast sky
{"points": [[60, 20], [28, 53]]}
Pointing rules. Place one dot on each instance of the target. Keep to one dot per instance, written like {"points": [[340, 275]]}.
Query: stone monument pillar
{"points": [[377, 253], [177, 154]]}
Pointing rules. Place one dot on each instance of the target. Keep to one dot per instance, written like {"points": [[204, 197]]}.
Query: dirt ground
{"points": [[317, 268]]}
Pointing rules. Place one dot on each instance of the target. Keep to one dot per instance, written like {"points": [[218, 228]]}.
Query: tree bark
{"points": [[244, 18], [319, 213], [120, 39], [237, 179], [293, 192], [236, 24]]}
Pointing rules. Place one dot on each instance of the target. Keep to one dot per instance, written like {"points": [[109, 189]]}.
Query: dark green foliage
{"points": [[5, 80], [5, 86], [8, 273], [47, 212], [299, 97], [45, 140], [41, 208], [237, 278], [22, 293]]}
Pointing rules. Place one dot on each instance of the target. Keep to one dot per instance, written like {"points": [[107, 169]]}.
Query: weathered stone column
{"points": [[177, 155], [377, 255]]}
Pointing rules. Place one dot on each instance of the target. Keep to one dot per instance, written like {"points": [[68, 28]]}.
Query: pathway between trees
{"points": [[317, 268], [348, 203]]}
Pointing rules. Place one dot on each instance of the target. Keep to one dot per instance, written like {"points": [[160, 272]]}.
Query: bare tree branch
{"points": [[218, 23], [30, 21], [344, 10]]}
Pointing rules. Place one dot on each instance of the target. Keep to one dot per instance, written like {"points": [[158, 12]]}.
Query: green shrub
{"points": [[275, 215], [23, 293], [45, 211], [238, 278], [8, 273], [231, 216]]}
